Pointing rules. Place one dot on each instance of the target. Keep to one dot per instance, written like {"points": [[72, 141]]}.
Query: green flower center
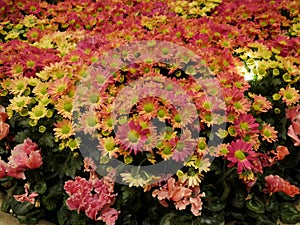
{"points": [[110, 146], [267, 133], [244, 126], [94, 98], [91, 121], [177, 118], [240, 155], [38, 112], [149, 107], [161, 113], [133, 136], [288, 95], [68, 106], [65, 129]]}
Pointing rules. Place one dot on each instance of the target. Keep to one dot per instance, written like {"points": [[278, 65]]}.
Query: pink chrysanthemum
{"points": [[132, 136], [246, 124], [240, 154]]}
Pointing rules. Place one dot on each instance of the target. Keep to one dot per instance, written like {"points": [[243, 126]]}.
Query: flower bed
{"points": [[150, 112]]}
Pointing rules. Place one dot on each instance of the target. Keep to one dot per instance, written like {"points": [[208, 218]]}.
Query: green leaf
{"points": [[256, 205], [166, 219], [47, 140], [289, 213]]}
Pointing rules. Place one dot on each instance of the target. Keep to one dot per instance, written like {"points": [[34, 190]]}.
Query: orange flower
{"points": [[4, 130], [277, 184]]}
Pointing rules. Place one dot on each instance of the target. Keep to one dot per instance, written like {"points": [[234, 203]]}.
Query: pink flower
{"points": [[24, 156], [180, 195], [277, 184], [246, 124], [2, 168], [240, 154], [26, 197], [294, 129], [93, 196]]}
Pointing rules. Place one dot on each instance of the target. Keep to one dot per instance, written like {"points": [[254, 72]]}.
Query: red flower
{"points": [[277, 184], [94, 197], [240, 154], [246, 124]]}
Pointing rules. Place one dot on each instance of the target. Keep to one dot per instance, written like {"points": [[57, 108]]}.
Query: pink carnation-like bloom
{"points": [[181, 196], [94, 197], [294, 129], [277, 184], [2, 168], [26, 197], [24, 156]]}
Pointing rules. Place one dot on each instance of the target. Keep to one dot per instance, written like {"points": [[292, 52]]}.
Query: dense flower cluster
{"points": [[212, 85]]}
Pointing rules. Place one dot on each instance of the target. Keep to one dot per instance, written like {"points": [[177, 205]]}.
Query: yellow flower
{"points": [[289, 95], [40, 90], [63, 129], [65, 106], [18, 85], [30, 20], [19, 102], [38, 112]]}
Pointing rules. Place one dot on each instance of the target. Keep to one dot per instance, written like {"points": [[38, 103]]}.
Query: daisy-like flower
{"points": [[192, 178], [260, 103], [289, 95], [17, 69], [88, 122], [40, 90], [59, 87], [240, 154], [37, 112], [246, 124], [132, 136], [163, 113], [294, 129], [268, 133], [18, 103], [64, 107], [18, 85], [63, 129], [137, 179], [148, 107], [108, 146], [184, 147]]}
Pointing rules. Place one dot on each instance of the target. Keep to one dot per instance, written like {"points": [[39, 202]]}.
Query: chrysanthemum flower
{"points": [[240, 154], [63, 129], [40, 90], [246, 124], [37, 112], [108, 146], [132, 136], [18, 103], [17, 69], [65, 106], [147, 107], [289, 95], [184, 147], [137, 179], [268, 133], [294, 129], [18, 85], [88, 123], [192, 178], [59, 87], [260, 103]]}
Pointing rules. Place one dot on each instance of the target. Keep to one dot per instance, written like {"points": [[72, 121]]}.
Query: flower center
{"points": [[133, 136], [240, 155], [148, 107], [65, 130], [68, 107]]}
